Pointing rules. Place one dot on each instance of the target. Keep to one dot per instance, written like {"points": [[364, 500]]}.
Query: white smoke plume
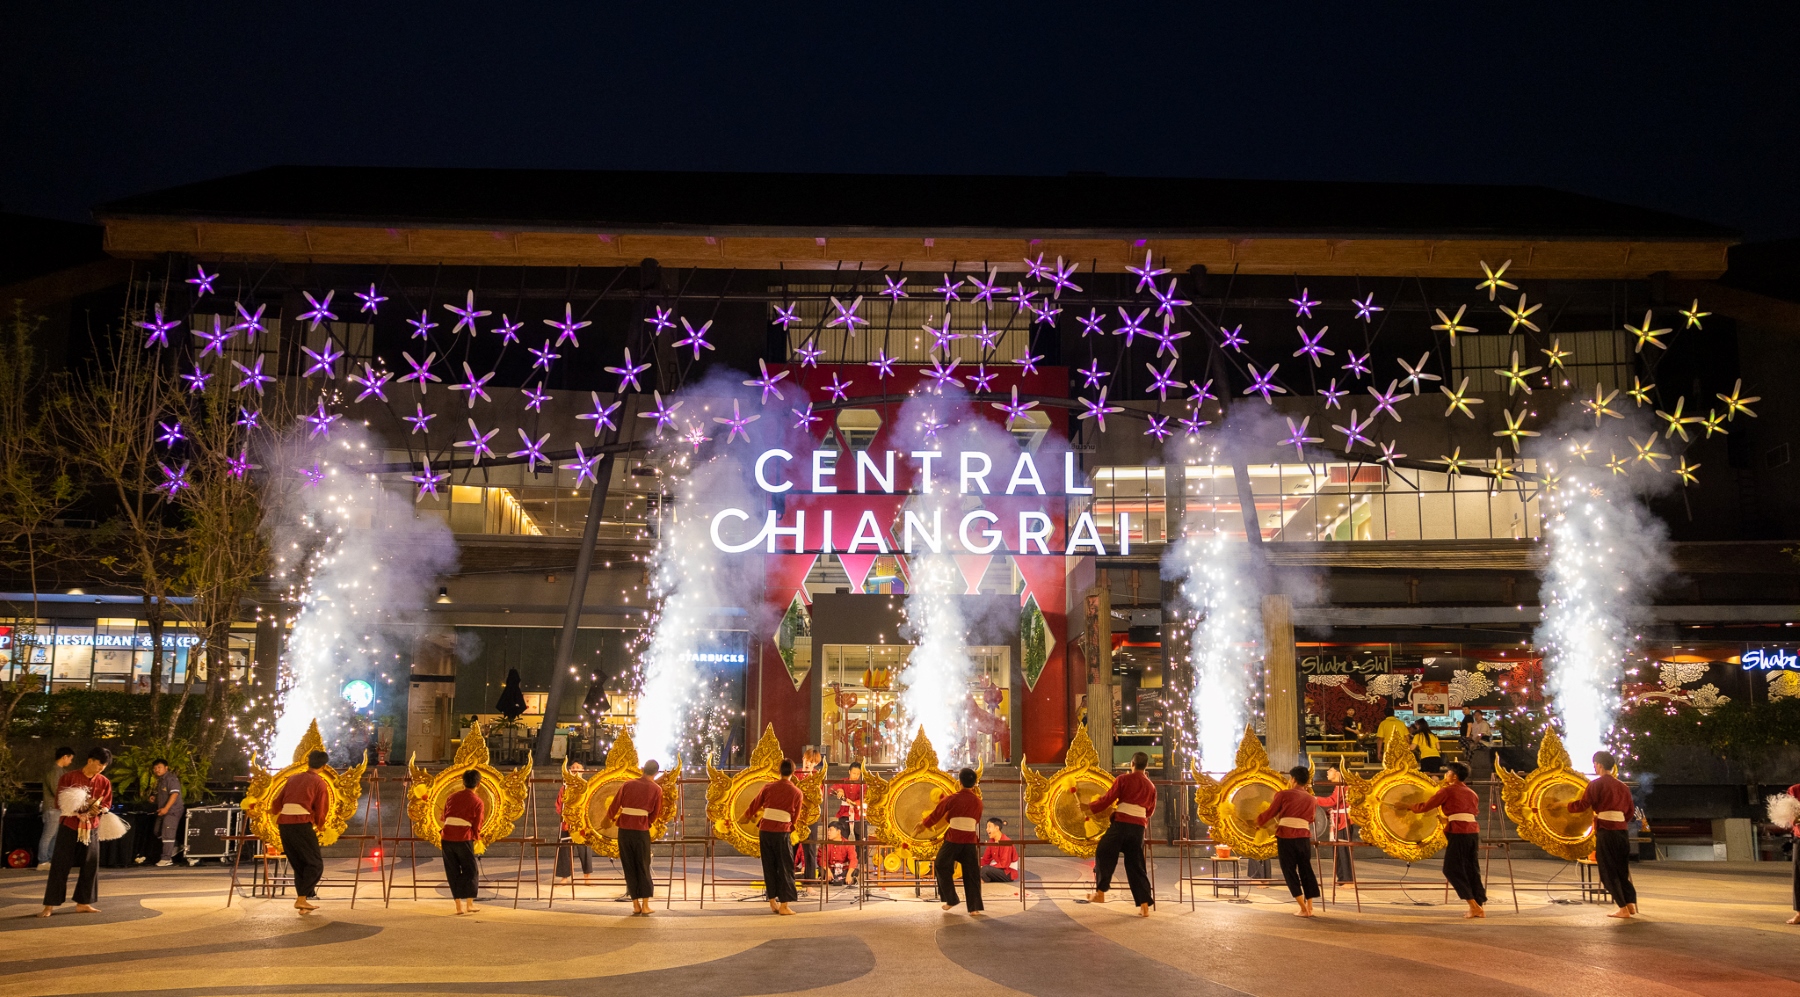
{"points": [[360, 564]]}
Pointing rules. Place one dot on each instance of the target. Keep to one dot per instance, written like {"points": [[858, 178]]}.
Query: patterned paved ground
{"points": [[1707, 930]]}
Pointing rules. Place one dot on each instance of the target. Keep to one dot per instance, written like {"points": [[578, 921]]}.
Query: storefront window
{"points": [[862, 716], [113, 654]]}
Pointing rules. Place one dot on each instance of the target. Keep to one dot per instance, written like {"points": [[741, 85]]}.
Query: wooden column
{"points": [[1281, 678]]}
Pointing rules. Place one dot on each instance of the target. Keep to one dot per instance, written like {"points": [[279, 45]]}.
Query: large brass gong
{"points": [[344, 788], [728, 795], [502, 793], [1538, 803], [586, 800], [1061, 816], [1230, 806], [1382, 806]]}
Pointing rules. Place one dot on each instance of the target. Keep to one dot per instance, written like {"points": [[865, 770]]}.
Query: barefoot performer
{"points": [[777, 803], [1462, 856], [300, 810], [1292, 811], [463, 814], [633, 807], [1611, 802], [963, 811], [1133, 799], [77, 836]]}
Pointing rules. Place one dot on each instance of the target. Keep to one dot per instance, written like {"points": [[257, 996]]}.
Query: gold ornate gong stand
{"points": [[727, 794], [504, 794], [345, 789], [587, 798]]}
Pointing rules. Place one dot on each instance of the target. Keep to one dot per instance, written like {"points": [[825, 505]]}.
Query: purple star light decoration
{"points": [[422, 325], [896, 291], [203, 281], [314, 475], [737, 423], [371, 301], [1333, 394], [1097, 410], [532, 452], [568, 327], [601, 416], [1366, 308], [478, 441], [159, 328], [1015, 409], [846, 315], [767, 382], [319, 312], [1358, 365], [584, 466], [320, 421], [809, 354], [1159, 427], [535, 397], [941, 338], [950, 289], [1264, 384], [1385, 402], [476, 387], [697, 337], [663, 414], [1234, 337], [1133, 327], [1147, 273], [247, 419], [1166, 301], [985, 292], [373, 382], [1029, 363], [214, 340], [1090, 323], [508, 330], [981, 380], [168, 435], [838, 389], [1092, 375], [1061, 278], [883, 364], [785, 317], [662, 320], [324, 360], [988, 338], [421, 370], [1035, 269], [253, 376], [426, 480], [1298, 439], [240, 465], [420, 419], [1191, 423], [1312, 346], [247, 323], [628, 373], [804, 417], [1167, 338], [174, 479], [1201, 393], [466, 315], [942, 375], [542, 357], [1303, 305], [932, 427], [1164, 380], [196, 379], [1354, 433]]}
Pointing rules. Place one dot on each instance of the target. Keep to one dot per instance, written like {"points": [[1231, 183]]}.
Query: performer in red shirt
{"points": [[1462, 856], [300, 810], [568, 851], [1292, 810], [1612, 805], [463, 816], [77, 843], [1794, 791], [633, 808], [776, 808], [850, 800], [1133, 799], [1337, 806], [962, 809], [838, 858], [999, 861]]}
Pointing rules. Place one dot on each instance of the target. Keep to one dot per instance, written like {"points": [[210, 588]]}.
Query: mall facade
{"points": [[1412, 581]]}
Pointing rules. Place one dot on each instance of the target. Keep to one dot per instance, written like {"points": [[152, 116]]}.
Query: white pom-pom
{"points": [[112, 826], [71, 800], [1783, 810]]}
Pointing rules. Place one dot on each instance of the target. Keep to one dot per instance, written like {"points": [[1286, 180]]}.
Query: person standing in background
{"points": [[1794, 791], [1425, 745], [1385, 731], [810, 760], [169, 807], [77, 838], [568, 850], [65, 757], [1337, 806]]}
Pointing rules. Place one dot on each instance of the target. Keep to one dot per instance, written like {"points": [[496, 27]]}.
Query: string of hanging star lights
{"points": [[1594, 479]]}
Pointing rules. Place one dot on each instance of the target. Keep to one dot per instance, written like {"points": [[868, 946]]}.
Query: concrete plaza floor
{"points": [[1707, 928]]}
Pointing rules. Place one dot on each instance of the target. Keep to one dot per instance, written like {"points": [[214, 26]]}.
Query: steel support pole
{"points": [[565, 647]]}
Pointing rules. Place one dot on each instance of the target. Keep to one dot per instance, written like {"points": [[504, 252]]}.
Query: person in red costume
{"points": [[1462, 856], [463, 815], [1610, 800], [568, 852], [633, 807], [837, 859], [302, 807], [775, 808], [1794, 791], [1000, 860], [1132, 798], [1336, 804], [1292, 811], [962, 810], [77, 841]]}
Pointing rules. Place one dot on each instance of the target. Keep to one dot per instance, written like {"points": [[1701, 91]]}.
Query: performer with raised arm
{"points": [[1610, 800], [962, 809], [1462, 856], [1292, 811], [463, 815], [633, 807], [1133, 799], [775, 808], [300, 810], [82, 794]]}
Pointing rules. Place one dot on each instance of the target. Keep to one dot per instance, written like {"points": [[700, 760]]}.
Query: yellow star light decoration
{"points": [[1493, 282], [1693, 314], [1515, 428], [1550, 481], [1557, 354], [1615, 463], [1521, 316], [1582, 449], [1678, 423], [1714, 423], [1515, 377], [1454, 463], [1640, 392], [1645, 334], [1647, 453], [1460, 400], [1685, 472], [1601, 405], [1452, 324], [1736, 402], [1503, 468]]}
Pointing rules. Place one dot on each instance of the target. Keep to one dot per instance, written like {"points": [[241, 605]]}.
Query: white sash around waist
{"points": [[635, 812], [770, 813], [295, 810], [1293, 822], [1468, 817], [1130, 809], [1610, 815], [962, 824], [456, 822]]}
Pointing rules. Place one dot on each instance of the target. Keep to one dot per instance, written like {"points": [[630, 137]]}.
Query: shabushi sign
{"points": [[997, 513]]}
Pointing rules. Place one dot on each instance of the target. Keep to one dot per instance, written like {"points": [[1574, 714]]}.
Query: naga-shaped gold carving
{"points": [[1382, 806], [897, 806], [1230, 806], [345, 789], [728, 795], [585, 801], [1061, 816], [1538, 803], [502, 793]]}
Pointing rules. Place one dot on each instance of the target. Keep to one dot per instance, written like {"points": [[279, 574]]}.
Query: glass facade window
{"points": [[510, 501], [112, 654], [1593, 358], [860, 703], [1138, 492]]}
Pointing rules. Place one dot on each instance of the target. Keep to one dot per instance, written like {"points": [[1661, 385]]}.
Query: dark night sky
{"points": [[1692, 109]]}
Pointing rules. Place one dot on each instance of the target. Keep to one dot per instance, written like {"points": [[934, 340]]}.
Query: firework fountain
{"points": [[1223, 608], [934, 686], [358, 561]]}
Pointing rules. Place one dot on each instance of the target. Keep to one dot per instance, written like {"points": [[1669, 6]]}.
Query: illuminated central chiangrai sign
{"points": [[968, 475]]}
